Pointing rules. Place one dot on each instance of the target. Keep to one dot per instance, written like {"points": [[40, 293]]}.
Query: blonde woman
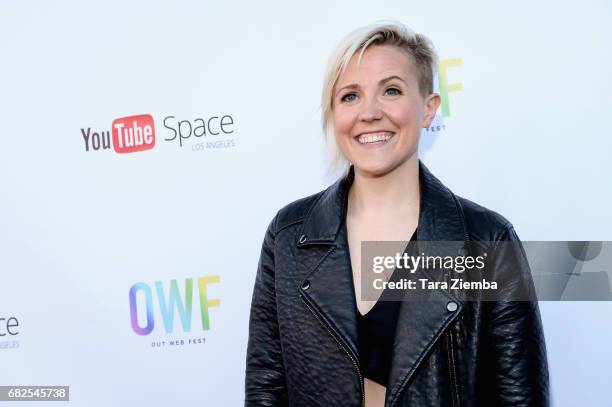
{"points": [[313, 338]]}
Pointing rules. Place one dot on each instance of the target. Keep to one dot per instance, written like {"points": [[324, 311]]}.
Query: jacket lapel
{"points": [[324, 256], [324, 259], [422, 322]]}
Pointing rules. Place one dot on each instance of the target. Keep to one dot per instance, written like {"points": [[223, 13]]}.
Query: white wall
{"points": [[527, 137]]}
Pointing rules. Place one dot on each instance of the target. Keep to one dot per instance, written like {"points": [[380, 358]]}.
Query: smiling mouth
{"points": [[374, 138]]}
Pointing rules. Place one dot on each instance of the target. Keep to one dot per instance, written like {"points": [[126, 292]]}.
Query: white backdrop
{"points": [[526, 135]]}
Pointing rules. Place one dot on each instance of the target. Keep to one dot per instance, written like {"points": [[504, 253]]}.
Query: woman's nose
{"points": [[371, 110]]}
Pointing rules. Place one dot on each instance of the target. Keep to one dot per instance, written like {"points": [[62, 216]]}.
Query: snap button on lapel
{"points": [[306, 285], [302, 238], [452, 306]]}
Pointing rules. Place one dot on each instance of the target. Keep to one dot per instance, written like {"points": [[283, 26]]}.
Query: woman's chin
{"points": [[373, 169]]}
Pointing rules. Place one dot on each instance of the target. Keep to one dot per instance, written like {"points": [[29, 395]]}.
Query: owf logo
{"points": [[129, 135], [169, 303]]}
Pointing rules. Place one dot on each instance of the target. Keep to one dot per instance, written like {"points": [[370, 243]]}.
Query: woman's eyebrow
{"points": [[380, 82]]}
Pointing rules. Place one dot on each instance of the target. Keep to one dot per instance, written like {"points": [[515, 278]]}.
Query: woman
{"points": [[313, 340]]}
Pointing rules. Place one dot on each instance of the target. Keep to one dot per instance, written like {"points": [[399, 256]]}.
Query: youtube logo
{"points": [[133, 133], [130, 134]]}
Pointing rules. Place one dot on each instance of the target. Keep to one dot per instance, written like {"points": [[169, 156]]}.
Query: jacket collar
{"points": [[439, 218], [324, 259]]}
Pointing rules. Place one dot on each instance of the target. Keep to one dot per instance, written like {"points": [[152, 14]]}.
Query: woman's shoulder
{"points": [[484, 224], [294, 212], [481, 223]]}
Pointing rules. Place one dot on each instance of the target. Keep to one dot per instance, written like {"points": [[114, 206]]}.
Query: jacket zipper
{"points": [[451, 370], [335, 336], [451, 373]]}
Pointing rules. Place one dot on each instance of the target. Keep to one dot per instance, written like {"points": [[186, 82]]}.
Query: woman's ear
{"points": [[431, 107]]}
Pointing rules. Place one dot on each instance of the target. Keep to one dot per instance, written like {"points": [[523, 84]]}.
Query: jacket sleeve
{"points": [[517, 366], [265, 376]]}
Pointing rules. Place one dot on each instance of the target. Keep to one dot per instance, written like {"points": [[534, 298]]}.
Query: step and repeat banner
{"points": [[146, 146]]}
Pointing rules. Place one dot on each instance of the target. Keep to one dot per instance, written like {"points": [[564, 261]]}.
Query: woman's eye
{"points": [[395, 91], [346, 98]]}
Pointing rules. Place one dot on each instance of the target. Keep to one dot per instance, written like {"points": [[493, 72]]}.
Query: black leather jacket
{"points": [[302, 347]]}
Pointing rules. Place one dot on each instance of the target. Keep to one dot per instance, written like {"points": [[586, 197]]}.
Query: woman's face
{"points": [[378, 111]]}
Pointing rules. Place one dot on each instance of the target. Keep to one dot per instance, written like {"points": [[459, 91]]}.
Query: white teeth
{"points": [[374, 137]]}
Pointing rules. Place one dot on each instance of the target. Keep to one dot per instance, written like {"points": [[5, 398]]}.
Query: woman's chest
{"points": [[364, 230]]}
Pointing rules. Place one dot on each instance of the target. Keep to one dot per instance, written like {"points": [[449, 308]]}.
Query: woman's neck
{"points": [[394, 193]]}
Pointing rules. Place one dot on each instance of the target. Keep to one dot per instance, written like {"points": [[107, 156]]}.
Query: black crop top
{"points": [[376, 331]]}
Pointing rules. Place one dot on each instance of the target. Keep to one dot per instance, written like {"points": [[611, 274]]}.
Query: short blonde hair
{"points": [[387, 32]]}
